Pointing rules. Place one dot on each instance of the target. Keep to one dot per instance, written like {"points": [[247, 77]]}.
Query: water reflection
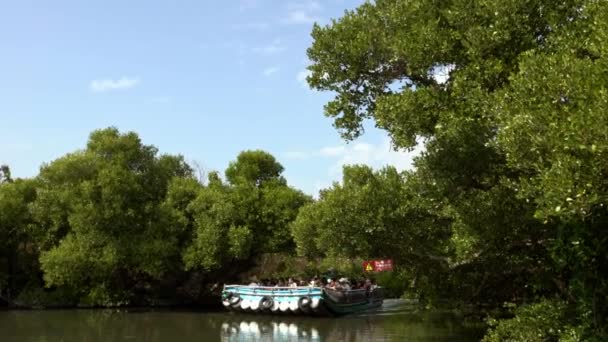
{"points": [[267, 331], [342, 329], [395, 322]]}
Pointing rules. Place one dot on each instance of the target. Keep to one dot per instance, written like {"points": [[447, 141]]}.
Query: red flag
{"points": [[378, 265]]}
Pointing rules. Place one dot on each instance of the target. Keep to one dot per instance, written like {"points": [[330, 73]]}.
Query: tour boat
{"points": [[300, 300]]}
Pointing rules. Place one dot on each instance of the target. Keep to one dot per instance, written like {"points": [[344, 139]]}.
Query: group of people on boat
{"points": [[343, 284]]}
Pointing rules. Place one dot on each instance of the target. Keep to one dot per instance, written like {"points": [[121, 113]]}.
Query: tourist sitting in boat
{"points": [[344, 284], [292, 283], [368, 285], [331, 284], [315, 282]]}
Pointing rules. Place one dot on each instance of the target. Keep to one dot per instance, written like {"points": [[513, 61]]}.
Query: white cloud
{"points": [[375, 155], [332, 151], [301, 77], [299, 17], [103, 85], [302, 13], [269, 71], [271, 49], [441, 73]]}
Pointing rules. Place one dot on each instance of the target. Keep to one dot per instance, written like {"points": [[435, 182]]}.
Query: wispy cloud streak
{"points": [[269, 71], [104, 85], [302, 13]]}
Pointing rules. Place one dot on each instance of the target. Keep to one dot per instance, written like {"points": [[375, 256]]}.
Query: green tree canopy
{"points": [[254, 168], [94, 204], [376, 214], [245, 217], [515, 132]]}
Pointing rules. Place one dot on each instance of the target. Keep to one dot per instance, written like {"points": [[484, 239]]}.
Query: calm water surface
{"points": [[396, 321]]}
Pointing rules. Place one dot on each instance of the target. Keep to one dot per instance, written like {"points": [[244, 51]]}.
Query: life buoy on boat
{"points": [[275, 306], [226, 299], [235, 299], [304, 302], [293, 306], [284, 306], [245, 304], [266, 303], [254, 305]]}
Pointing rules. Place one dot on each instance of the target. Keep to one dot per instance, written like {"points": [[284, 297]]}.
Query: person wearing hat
{"points": [[344, 284]]}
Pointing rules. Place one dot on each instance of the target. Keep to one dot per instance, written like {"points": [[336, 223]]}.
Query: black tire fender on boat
{"points": [[235, 299], [266, 302], [226, 298], [304, 302]]}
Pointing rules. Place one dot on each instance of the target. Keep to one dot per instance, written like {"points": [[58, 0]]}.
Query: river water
{"points": [[395, 321]]}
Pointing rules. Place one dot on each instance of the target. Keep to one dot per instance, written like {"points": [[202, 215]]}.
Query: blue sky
{"points": [[205, 79]]}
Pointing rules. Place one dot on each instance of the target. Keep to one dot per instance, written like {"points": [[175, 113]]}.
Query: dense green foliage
{"points": [[516, 140], [507, 205], [249, 215], [90, 207], [117, 223], [542, 321], [18, 260], [373, 214]]}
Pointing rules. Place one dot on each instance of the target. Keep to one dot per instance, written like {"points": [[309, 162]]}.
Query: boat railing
{"points": [[273, 290], [337, 295]]}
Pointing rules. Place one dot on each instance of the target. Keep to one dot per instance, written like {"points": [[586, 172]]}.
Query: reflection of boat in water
{"points": [[267, 331], [300, 300]]}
